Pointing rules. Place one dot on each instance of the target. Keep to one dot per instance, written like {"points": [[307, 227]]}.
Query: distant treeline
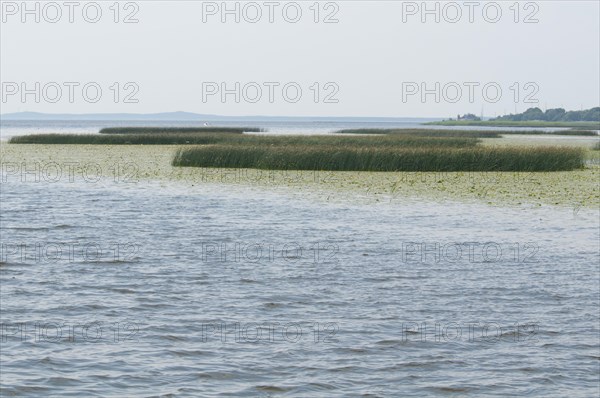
{"points": [[553, 115]]}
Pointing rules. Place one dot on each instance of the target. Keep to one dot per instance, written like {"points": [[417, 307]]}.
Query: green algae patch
{"points": [[143, 164]]}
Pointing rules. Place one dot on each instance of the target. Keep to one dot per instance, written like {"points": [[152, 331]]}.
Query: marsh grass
{"points": [[465, 133], [121, 139], [178, 130], [387, 152], [589, 133], [423, 133], [355, 158], [394, 141], [243, 139]]}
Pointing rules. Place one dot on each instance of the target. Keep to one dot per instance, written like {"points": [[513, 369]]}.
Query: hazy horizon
{"points": [[359, 58]]}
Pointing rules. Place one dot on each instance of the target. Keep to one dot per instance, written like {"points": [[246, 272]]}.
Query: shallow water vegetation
{"points": [[153, 162], [423, 133], [244, 139], [466, 133], [587, 133], [122, 139], [387, 152], [391, 141], [178, 130], [355, 158]]}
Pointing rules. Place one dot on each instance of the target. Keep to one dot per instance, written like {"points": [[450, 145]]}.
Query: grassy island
{"points": [[392, 150]]}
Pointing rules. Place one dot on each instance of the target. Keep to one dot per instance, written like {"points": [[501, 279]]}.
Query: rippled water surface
{"points": [[156, 289]]}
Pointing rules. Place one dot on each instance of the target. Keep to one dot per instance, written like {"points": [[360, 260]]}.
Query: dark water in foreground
{"points": [[155, 289]]}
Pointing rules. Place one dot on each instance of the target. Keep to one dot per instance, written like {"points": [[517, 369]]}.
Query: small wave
{"points": [[20, 391], [389, 342], [171, 337], [216, 375], [5, 265], [321, 386], [62, 381], [453, 390], [27, 228], [185, 353], [116, 262], [272, 305], [415, 364], [344, 369], [272, 389], [122, 290]]}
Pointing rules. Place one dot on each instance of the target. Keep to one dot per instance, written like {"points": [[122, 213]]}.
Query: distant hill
{"points": [[107, 116], [553, 115]]}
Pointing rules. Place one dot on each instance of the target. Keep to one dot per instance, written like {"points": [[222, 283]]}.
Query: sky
{"points": [[303, 58]]}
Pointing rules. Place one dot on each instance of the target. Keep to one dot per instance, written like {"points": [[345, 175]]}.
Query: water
{"points": [[11, 128], [159, 289]]}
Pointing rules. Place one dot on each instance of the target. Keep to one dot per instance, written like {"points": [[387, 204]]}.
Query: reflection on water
{"points": [[162, 288]]}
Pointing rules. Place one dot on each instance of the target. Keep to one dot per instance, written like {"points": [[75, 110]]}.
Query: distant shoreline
{"points": [[506, 123]]}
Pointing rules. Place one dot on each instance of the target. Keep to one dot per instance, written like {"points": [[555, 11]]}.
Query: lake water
{"points": [[169, 289], [10, 128]]}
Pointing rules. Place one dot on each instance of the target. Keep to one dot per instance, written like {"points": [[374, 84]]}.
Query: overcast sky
{"points": [[373, 58]]}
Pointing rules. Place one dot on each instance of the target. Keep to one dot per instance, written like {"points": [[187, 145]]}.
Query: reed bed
{"points": [[465, 133], [429, 151], [242, 139], [362, 141], [354, 158], [423, 133], [120, 139], [589, 133], [178, 130]]}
